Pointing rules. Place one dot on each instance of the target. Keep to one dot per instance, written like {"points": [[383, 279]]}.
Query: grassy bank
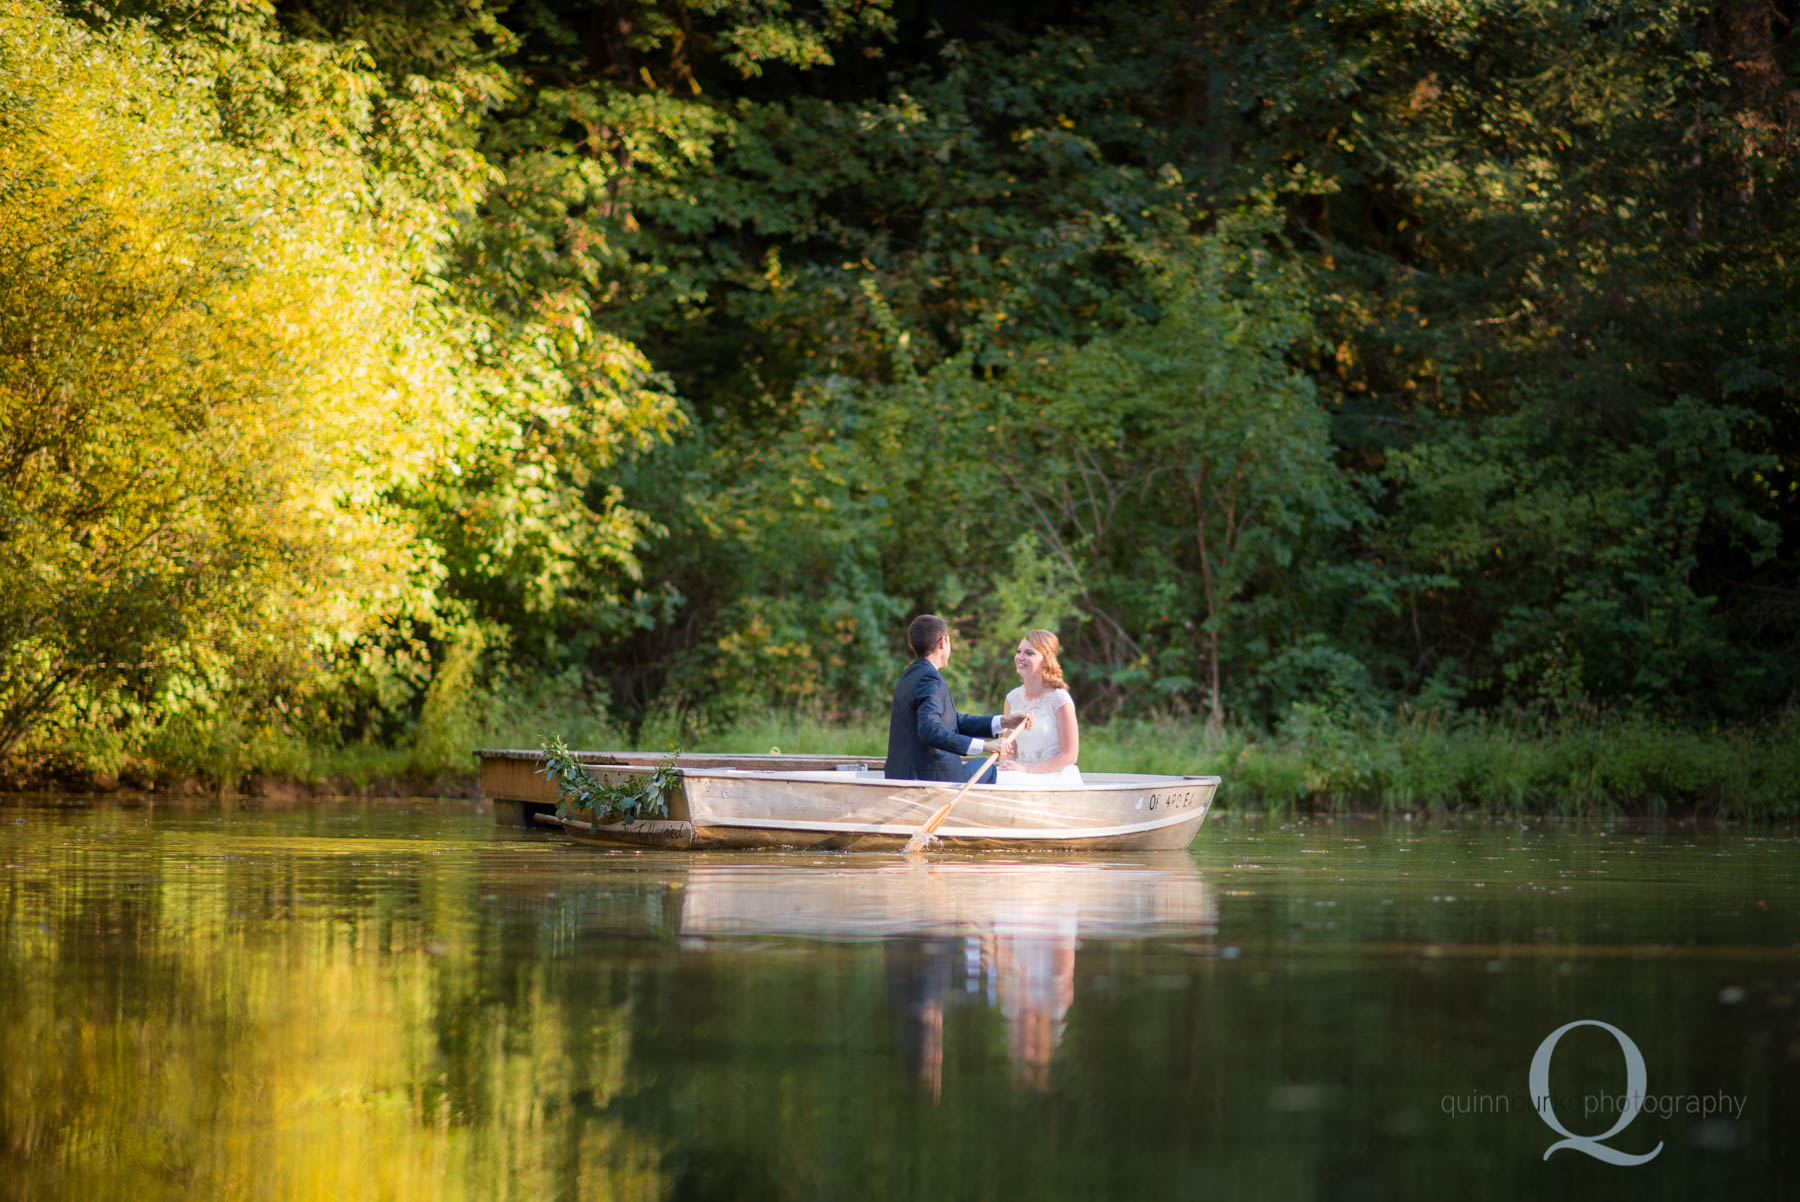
{"points": [[1418, 764], [1422, 764]]}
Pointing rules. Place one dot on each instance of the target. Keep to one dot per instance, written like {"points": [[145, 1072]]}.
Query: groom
{"points": [[927, 738]]}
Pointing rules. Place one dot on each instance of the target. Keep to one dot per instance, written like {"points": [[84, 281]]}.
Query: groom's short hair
{"points": [[926, 631]]}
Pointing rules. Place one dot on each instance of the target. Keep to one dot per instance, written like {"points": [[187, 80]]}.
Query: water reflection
{"points": [[386, 1000], [1028, 978], [957, 933], [1036, 984], [920, 976], [883, 897]]}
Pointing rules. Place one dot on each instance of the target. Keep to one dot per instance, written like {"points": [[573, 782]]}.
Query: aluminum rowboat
{"points": [[844, 803]]}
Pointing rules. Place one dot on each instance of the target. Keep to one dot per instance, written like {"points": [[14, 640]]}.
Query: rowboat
{"points": [[845, 803]]}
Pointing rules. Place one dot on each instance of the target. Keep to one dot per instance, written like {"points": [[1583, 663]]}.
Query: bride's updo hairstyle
{"points": [[1047, 645]]}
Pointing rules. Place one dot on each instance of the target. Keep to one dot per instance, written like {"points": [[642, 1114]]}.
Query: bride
{"points": [[1049, 745]]}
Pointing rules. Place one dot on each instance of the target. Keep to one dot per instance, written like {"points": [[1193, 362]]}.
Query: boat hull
{"points": [[851, 807]]}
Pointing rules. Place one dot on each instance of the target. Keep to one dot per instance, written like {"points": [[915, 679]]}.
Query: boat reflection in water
{"points": [[961, 932]]}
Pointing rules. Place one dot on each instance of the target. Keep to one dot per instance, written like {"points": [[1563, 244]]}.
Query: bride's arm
{"points": [[1008, 762], [1068, 733]]}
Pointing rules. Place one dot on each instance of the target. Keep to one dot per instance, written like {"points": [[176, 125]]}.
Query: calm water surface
{"points": [[393, 1000]]}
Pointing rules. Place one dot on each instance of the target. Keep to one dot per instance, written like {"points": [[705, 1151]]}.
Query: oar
{"points": [[922, 836]]}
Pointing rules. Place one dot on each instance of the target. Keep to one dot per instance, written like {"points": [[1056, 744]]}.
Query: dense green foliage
{"points": [[378, 368]]}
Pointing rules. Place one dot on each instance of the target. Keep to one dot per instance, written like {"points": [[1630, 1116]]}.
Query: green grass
{"points": [[1389, 765], [1423, 764]]}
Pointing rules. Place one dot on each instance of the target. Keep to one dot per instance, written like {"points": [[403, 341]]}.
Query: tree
{"points": [[1175, 463], [214, 362]]}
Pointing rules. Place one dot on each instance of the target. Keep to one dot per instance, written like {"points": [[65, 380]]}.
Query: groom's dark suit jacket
{"points": [[927, 738]]}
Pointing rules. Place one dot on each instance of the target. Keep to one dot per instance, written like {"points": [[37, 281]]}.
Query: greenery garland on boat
{"points": [[577, 791]]}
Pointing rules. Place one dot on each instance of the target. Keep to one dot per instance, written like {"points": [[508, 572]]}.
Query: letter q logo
{"points": [[1635, 1079]]}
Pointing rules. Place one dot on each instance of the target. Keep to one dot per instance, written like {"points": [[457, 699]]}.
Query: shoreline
{"points": [[294, 793], [273, 788], [1391, 766], [1243, 800]]}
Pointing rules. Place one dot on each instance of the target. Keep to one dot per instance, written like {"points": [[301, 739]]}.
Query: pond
{"points": [[395, 999]]}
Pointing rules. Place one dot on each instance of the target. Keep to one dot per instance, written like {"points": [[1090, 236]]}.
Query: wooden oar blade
{"points": [[922, 837]]}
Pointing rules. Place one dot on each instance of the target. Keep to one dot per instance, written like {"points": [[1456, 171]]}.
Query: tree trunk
{"points": [[1764, 105]]}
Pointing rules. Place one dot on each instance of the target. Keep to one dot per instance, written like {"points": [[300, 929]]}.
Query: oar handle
{"points": [[937, 819]]}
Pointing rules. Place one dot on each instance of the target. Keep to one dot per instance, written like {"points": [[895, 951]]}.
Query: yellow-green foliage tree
{"points": [[216, 359]]}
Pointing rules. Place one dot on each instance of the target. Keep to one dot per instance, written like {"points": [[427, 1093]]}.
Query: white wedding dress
{"points": [[1041, 742]]}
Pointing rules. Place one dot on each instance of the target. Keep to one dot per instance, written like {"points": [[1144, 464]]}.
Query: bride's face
{"points": [[1028, 660]]}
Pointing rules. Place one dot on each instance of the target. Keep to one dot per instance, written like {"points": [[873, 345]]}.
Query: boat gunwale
{"points": [[835, 777], [1142, 782], [624, 759]]}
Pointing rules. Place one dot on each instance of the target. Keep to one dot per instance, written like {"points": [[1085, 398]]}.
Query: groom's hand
{"points": [[1014, 721]]}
